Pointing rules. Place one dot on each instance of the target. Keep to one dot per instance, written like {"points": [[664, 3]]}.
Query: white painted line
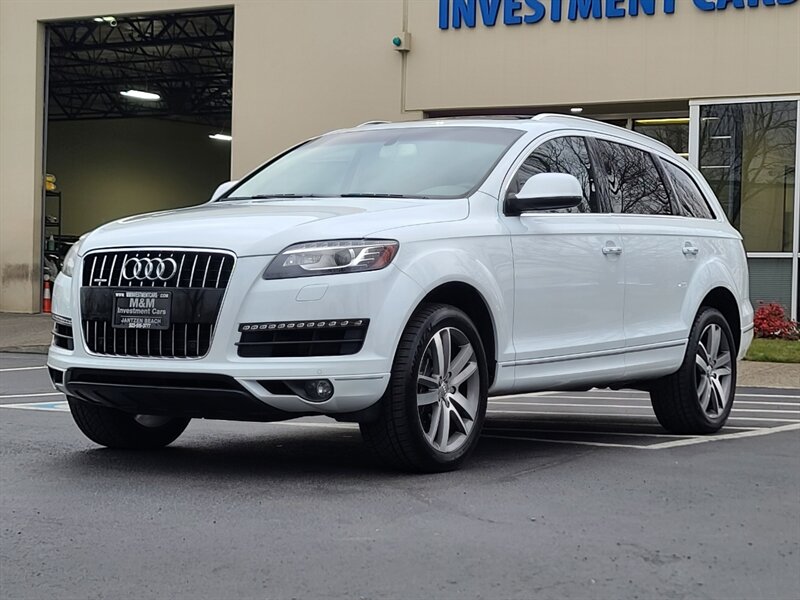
{"points": [[570, 442], [755, 410], [768, 396], [60, 406], [331, 425], [40, 395], [22, 369], [661, 445], [646, 399], [616, 415], [725, 436], [592, 432]]}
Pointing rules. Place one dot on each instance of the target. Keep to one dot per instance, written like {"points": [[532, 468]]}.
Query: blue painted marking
{"points": [[60, 406]]}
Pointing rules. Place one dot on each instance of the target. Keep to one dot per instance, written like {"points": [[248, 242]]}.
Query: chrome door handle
{"points": [[613, 250], [690, 249]]}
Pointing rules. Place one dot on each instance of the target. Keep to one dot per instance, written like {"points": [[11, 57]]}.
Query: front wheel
{"points": [[115, 429], [699, 397], [433, 410]]}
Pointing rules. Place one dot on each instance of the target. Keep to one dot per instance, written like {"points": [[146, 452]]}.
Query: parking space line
{"points": [[617, 415], [58, 406], [757, 410], [725, 436], [22, 369], [615, 433]]}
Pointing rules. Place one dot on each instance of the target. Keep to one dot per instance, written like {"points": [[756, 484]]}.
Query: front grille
{"points": [[198, 274], [301, 338], [207, 270], [62, 333]]}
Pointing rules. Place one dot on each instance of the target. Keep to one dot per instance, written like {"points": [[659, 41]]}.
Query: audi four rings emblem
{"points": [[150, 269]]}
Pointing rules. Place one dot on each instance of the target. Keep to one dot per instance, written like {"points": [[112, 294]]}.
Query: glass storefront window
{"points": [[674, 132], [747, 155]]}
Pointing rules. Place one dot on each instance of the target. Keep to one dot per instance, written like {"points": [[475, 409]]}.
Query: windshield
{"points": [[418, 162]]}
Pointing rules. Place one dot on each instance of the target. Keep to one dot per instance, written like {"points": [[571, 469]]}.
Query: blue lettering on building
{"points": [[470, 13]]}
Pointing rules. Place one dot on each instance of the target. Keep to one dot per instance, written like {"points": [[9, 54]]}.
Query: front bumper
{"points": [[385, 297]]}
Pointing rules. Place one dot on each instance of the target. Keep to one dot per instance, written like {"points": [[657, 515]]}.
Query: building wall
{"points": [[108, 169], [301, 67]]}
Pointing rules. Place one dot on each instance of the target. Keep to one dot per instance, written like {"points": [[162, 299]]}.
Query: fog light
{"points": [[318, 390]]}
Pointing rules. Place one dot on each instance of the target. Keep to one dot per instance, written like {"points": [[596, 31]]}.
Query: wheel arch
{"points": [[467, 298], [722, 299]]}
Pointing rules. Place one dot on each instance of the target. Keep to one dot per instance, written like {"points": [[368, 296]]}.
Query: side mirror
{"points": [[546, 191], [223, 187]]}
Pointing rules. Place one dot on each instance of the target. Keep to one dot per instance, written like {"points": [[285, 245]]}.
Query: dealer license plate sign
{"points": [[142, 309]]}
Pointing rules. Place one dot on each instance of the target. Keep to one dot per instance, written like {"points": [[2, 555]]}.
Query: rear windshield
{"points": [[418, 162]]}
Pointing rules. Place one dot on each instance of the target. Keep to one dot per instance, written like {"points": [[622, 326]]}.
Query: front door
{"points": [[569, 280]]}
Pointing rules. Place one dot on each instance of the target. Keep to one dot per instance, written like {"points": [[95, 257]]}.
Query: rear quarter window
{"points": [[688, 197]]}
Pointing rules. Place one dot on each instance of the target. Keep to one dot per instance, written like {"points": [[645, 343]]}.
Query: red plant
{"points": [[771, 322]]}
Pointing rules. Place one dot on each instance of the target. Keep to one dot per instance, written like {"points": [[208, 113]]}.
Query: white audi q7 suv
{"points": [[397, 276]]}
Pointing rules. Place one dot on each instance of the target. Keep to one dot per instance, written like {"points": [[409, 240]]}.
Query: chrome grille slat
{"points": [[198, 269]]}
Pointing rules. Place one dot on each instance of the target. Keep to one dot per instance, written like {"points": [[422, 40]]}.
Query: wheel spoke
{"points": [[719, 392], [461, 359], [465, 374], [715, 336], [460, 425], [704, 393], [441, 342], [444, 428], [435, 418], [460, 402], [427, 382], [427, 398], [701, 362], [723, 360], [722, 372]]}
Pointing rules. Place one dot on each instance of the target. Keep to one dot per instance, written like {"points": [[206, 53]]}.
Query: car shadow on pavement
{"points": [[293, 458]]}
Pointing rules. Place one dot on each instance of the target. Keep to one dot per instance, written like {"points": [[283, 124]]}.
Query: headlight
{"points": [[71, 258], [330, 257]]}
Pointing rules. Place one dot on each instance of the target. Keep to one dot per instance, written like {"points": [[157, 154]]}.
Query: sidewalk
{"points": [[25, 333], [31, 333]]}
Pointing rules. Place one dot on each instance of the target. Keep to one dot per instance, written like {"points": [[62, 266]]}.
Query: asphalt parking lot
{"points": [[567, 495]]}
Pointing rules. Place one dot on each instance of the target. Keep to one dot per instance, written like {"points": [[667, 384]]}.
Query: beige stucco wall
{"points": [[301, 67], [690, 54]]}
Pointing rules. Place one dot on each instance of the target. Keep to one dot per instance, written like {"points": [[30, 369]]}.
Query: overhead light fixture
{"points": [[110, 20], [667, 121], [720, 137], [221, 136], [141, 95], [576, 110]]}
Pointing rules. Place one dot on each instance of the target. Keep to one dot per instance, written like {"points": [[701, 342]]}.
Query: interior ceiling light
{"points": [[576, 110], [669, 121], [141, 95], [221, 136], [110, 20]]}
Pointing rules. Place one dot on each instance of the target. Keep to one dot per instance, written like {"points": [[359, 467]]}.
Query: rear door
{"points": [[660, 250]]}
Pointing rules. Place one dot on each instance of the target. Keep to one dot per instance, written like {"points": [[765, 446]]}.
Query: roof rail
{"points": [[365, 123], [600, 126]]}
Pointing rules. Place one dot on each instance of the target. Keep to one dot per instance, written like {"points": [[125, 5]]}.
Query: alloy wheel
{"points": [[713, 370], [448, 390]]}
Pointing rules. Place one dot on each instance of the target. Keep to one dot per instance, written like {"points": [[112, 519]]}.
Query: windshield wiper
{"points": [[367, 195], [276, 196]]}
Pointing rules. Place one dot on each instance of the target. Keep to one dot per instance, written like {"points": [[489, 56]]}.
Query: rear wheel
{"points": [[433, 410], [698, 398], [116, 429]]}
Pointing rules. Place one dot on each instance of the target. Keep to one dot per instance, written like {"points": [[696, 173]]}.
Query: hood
{"points": [[262, 227]]}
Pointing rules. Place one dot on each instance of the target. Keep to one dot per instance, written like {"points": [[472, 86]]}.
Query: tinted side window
{"points": [[632, 181], [688, 196], [560, 155]]}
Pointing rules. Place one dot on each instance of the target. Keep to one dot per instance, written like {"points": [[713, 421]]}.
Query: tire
{"points": [[698, 398], [115, 429], [430, 421]]}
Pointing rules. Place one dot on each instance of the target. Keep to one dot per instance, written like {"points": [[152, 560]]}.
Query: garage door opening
{"points": [[138, 119]]}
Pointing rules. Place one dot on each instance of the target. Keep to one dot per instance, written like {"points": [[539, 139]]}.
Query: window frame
{"points": [[595, 155], [532, 147]]}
